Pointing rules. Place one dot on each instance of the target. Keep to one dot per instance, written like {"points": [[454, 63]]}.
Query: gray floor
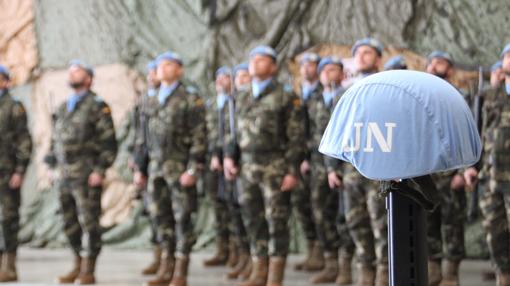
{"points": [[122, 267]]}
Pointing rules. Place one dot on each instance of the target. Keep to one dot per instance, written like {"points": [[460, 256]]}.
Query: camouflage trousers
{"points": [[366, 217], [495, 206], [173, 209], [9, 202], [236, 225], [301, 201], [81, 210], [265, 207], [445, 225], [218, 195]]}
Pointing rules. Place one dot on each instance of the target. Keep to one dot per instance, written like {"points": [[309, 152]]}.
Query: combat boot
{"points": [[73, 274], [330, 271], [246, 273], [88, 267], [221, 255], [153, 267], [309, 249], [259, 271], [165, 271], [434, 269], [8, 272], [276, 271], [181, 272], [242, 261], [233, 253], [316, 261], [366, 275], [344, 271], [381, 278], [450, 273], [502, 279]]}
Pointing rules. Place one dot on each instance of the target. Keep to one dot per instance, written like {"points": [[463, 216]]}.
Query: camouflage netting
{"points": [[39, 38]]}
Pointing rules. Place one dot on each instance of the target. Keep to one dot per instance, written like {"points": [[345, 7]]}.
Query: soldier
{"points": [[176, 146], [497, 75], [83, 146], [365, 211], [15, 155], [301, 197], [396, 63], [334, 238], [269, 135], [216, 117], [445, 228], [495, 203]]}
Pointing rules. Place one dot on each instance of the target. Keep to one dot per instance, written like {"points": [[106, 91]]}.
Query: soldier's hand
{"points": [[230, 169], [139, 179], [187, 180], [95, 180], [471, 176], [215, 164], [334, 181], [304, 168], [457, 182], [15, 181], [289, 182]]}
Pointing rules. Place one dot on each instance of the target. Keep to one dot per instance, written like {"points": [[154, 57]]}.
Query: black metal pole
{"points": [[407, 241]]}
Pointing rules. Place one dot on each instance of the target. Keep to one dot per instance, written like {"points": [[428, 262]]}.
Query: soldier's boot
{"points": [[8, 272], [246, 273], [242, 261], [88, 268], [434, 270], [181, 272], [366, 275], [309, 250], [344, 271], [329, 273], [153, 267], [259, 271], [165, 271], [316, 262], [233, 254], [503, 278], [276, 271], [381, 278], [71, 276], [450, 273], [220, 257]]}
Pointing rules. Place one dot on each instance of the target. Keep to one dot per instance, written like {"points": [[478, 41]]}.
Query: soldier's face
{"points": [[4, 82], [169, 71], [79, 78], [331, 75], [366, 59], [308, 71], [242, 79], [497, 77], [262, 67], [152, 79], [223, 83], [440, 67], [506, 64]]}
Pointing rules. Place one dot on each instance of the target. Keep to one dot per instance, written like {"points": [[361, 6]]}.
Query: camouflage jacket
{"points": [[176, 132], [269, 126], [16, 144], [496, 135], [307, 120], [83, 141], [217, 128]]}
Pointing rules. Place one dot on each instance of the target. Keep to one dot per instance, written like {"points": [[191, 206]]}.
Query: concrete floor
{"points": [[122, 268]]}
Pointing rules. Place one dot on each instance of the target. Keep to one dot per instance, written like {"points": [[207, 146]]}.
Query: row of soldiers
{"points": [[256, 141]]}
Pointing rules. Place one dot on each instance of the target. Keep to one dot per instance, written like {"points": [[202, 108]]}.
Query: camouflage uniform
{"points": [[495, 203], [176, 142], [16, 147], [270, 132], [82, 142]]}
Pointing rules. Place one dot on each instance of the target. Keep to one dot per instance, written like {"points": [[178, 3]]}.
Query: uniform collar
{"points": [[166, 91], [259, 87], [308, 88], [221, 99]]}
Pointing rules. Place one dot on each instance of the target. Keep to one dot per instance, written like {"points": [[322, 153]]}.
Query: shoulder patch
{"points": [[19, 108], [296, 102], [106, 109], [199, 102]]}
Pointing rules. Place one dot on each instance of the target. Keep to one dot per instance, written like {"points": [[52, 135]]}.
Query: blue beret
{"points": [[81, 64], [310, 57], [169, 56], [496, 65], [240, 67], [329, 60], [152, 66], [371, 42], [5, 71], [264, 51], [224, 70], [440, 55], [505, 50], [396, 63]]}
